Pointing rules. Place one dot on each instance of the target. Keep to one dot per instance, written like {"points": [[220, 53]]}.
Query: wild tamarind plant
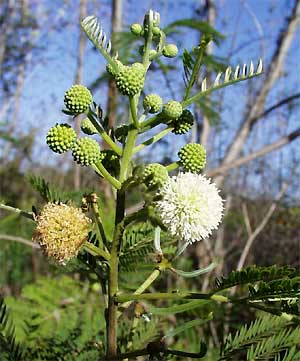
{"points": [[179, 200]]}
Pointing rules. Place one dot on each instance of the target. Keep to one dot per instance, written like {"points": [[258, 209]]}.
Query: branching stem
{"points": [[100, 169], [172, 166], [95, 251], [17, 211], [104, 135], [153, 139]]}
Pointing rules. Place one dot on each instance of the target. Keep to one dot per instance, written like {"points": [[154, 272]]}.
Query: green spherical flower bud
{"points": [[110, 161], [85, 151], [130, 80], [88, 127], [170, 50], [155, 174], [77, 99], [152, 103], [172, 109], [114, 71], [192, 157], [136, 29], [156, 30], [139, 67], [152, 54], [184, 123], [60, 138]]}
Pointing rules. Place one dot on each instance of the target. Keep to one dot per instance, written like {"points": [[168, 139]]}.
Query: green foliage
{"points": [[254, 274], [58, 319], [286, 340], [202, 26], [276, 290], [189, 60], [179, 308], [139, 336], [9, 349], [95, 33], [50, 193], [137, 245], [267, 338], [47, 192]]}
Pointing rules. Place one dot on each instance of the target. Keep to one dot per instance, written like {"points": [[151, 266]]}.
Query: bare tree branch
{"points": [[22, 240], [116, 27], [78, 80], [211, 15], [278, 105], [261, 226], [263, 151], [246, 218]]}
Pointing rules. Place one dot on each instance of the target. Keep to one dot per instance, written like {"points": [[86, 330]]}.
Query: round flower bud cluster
{"points": [[130, 79], [77, 99], [172, 109], [61, 230], [156, 30], [155, 174], [110, 161], [170, 50], [192, 157], [60, 138], [88, 127], [136, 29], [184, 123], [152, 103], [139, 30], [85, 151], [191, 207]]}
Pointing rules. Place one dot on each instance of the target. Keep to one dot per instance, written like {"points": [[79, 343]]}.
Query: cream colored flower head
{"points": [[61, 230], [191, 207]]}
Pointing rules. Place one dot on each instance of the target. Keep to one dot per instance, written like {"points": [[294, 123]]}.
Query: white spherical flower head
{"points": [[191, 207]]}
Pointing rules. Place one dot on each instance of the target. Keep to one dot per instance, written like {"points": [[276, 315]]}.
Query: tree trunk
{"points": [[78, 80], [211, 15], [116, 26], [21, 71]]}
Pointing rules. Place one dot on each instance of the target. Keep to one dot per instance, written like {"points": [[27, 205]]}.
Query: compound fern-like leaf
{"points": [[95, 33]]}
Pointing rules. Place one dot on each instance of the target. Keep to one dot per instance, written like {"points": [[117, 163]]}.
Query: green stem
{"points": [[127, 153], [17, 211], [99, 223], [132, 104], [196, 70], [120, 210], [153, 276], [104, 135], [153, 140], [172, 166], [148, 41], [150, 123], [125, 297], [111, 327], [100, 169], [95, 251]]}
